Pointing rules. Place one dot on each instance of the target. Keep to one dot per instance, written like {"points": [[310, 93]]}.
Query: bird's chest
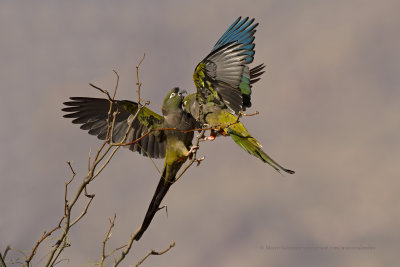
{"points": [[177, 121]]}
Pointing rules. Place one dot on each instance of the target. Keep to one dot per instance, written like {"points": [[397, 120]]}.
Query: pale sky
{"points": [[328, 106]]}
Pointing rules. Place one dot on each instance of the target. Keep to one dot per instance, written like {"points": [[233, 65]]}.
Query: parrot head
{"points": [[173, 100]]}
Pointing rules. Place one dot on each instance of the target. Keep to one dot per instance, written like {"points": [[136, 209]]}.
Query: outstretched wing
{"points": [[92, 113], [224, 73], [249, 78]]}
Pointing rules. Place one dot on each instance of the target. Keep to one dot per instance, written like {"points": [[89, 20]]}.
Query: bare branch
{"points": [[127, 248], [108, 235], [90, 152], [47, 234], [152, 161], [194, 159], [248, 115], [116, 84], [153, 252], [138, 83], [62, 240], [101, 90], [2, 263], [6, 251], [101, 159], [91, 197]]}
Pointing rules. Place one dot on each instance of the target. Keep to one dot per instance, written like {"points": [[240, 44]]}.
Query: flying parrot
{"points": [[174, 145], [224, 80]]}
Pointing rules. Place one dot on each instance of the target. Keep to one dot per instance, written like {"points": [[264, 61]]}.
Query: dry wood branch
{"points": [[44, 236], [13, 261], [194, 158], [92, 173], [62, 241], [2, 263], [241, 113], [108, 235], [128, 247], [8, 248], [91, 197], [132, 238], [47, 234], [153, 252], [138, 83], [96, 165]]}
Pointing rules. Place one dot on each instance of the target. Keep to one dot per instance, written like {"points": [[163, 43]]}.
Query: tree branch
{"points": [[108, 235], [153, 252]]}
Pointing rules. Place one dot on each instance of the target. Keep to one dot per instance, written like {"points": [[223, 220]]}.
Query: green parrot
{"points": [[174, 145], [224, 81]]}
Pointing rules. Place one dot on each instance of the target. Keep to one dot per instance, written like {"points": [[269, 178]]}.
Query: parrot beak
{"points": [[182, 93]]}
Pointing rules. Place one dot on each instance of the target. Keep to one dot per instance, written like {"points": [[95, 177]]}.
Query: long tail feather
{"points": [[241, 137], [161, 191]]}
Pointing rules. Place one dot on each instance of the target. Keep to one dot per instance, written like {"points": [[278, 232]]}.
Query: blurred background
{"points": [[329, 109]]}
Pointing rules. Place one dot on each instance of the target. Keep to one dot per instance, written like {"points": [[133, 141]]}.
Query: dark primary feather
{"points": [[255, 74], [92, 113], [225, 70]]}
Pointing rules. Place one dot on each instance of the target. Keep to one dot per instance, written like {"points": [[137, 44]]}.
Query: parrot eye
{"points": [[172, 95]]}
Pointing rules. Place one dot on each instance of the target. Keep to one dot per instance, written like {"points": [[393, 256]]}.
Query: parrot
{"points": [[174, 145], [223, 81]]}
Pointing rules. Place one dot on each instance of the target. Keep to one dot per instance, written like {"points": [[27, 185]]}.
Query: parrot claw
{"points": [[209, 138]]}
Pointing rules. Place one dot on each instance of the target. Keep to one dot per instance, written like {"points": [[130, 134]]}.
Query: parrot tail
{"points": [[242, 137], [161, 191]]}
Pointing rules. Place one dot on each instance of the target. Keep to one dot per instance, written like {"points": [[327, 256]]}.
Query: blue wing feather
{"points": [[242, 32], [226, 67]]}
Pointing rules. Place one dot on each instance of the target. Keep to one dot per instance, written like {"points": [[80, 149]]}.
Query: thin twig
{"points": [[6, 251], [194, 159], [249, 114], [116, 84], [138, 83], [44, 236], [127, 248], [62, 240], [91, 197], [153, 252], [108, 235], [2, 263], [47, 234], [148, 155], [90, 152], [66, 187]]}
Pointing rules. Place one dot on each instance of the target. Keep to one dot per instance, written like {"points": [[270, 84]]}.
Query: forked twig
{"points": [[153, 252]]}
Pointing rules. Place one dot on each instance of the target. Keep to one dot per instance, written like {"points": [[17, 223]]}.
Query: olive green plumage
{"points": [[177, 151], [235, 129], [174, 145], [224, 81]]}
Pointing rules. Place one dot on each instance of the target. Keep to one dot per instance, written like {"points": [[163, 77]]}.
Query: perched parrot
{"points": [[174, 145], [224, 81]]}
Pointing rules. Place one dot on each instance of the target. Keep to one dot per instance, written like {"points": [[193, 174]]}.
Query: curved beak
{"points": [[183, 93]]}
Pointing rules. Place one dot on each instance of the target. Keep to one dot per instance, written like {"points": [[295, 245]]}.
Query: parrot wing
{"points": [[92, 113], [224, 74]]}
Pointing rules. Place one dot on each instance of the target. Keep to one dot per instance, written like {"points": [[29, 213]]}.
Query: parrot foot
{"points": [[209, 138]]}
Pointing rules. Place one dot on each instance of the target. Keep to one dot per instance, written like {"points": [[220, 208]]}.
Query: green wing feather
{"points": [[224, 76], [230, 126], [92, 113]]}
